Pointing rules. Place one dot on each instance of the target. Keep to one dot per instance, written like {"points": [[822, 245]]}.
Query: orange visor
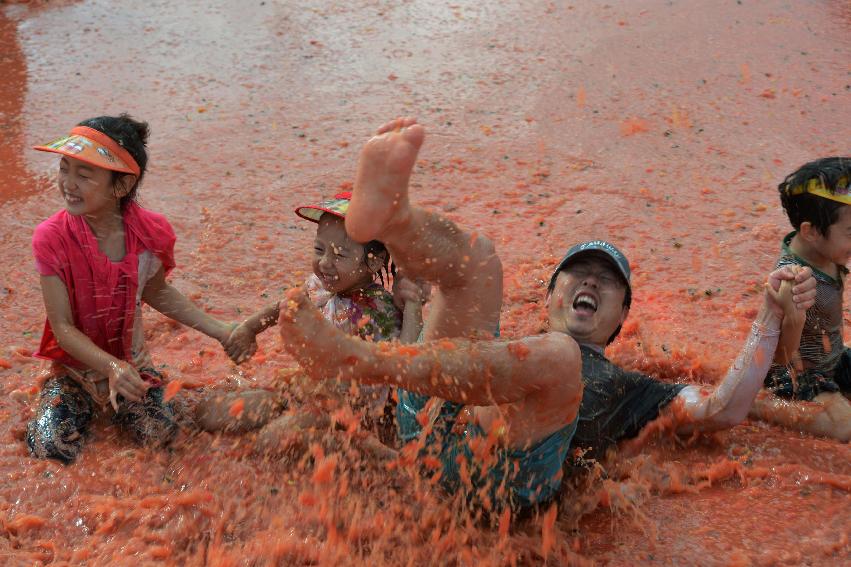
{"points": [[95, 148]]}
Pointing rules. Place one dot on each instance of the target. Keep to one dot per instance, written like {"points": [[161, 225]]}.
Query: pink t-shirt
{"points": [[105, 296]]}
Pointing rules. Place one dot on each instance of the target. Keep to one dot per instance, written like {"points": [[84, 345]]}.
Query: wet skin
{"points": [[587, 301], [338, 261]]}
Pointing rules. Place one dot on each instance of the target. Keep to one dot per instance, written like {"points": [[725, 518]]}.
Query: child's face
{"points": [[338, 261], [836, 245], [86, 189]]}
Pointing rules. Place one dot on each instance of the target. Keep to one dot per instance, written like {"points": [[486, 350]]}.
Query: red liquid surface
{"points": [[663, 127]]}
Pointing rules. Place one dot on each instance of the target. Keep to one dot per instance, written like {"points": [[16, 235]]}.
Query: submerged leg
{"points": [[427, 246], [238, 411], [828, 415], [152, 421], [290, 434]]}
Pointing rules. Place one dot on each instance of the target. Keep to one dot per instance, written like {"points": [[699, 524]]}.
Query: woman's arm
{"points": [[166, 299], [123, 378]]}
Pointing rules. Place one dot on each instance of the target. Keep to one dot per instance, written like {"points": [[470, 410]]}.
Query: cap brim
{"points": [[88, 151], [313, 213], [337, 207]]}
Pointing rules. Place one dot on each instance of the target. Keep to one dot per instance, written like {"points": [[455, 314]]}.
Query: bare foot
{"points": [[322, 350], [380, 195]]}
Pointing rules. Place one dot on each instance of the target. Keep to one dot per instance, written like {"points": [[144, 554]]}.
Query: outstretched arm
{"points": [[166, 299], [785, 296], [472, 372], [242, 342]]}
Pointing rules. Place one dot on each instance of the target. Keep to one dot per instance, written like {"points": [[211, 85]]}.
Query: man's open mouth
{"points": [[585, 302]]}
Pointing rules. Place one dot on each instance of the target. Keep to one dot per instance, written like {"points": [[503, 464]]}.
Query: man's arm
{"points": [[729, 403]]}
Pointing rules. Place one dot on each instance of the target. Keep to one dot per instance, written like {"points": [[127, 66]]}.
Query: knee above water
{"points": [[49, 444]]}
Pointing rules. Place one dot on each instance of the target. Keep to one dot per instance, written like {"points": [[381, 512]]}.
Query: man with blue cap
{"points": [[589, 297]]}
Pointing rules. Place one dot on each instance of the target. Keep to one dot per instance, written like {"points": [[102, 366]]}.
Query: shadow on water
{"points": [[15, 181]]}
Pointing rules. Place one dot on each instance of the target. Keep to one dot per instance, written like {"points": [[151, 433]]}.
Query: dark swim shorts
{"points": [[519, 478]]}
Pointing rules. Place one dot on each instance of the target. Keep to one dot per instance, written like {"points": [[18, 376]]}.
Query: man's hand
{"points": [[241, 344], [798, 295], [125, 380]]}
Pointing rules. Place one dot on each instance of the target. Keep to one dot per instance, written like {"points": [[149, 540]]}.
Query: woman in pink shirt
{"points": [[99, 258]]}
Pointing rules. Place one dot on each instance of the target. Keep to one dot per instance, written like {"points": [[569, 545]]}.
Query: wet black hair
{"points": [[806, 207], [377, 249], [627, 298], [131, 135]]}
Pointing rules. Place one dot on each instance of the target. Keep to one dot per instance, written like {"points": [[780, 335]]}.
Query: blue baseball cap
{"points": [[598, 247]]}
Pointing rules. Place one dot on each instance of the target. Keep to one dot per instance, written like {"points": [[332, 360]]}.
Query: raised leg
{"points": [[463, 266]]}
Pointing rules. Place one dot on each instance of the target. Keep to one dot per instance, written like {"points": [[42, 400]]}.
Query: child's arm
{"points": [[793, 323], [411, 296], [242, 343], [412, 322], [123, 378], [166, 299]]}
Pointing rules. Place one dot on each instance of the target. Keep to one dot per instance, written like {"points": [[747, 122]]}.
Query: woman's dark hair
{"points": [[834, 173], [131, 135]]}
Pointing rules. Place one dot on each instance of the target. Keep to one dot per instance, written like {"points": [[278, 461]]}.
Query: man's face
{"points": [[587, 301]]}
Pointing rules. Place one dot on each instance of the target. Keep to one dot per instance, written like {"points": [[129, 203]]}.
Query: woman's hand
{"points": [[125, 380]]}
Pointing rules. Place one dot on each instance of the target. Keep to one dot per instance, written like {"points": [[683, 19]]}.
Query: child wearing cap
{"points": [[99, 258], [814, 364], [347, 287]]}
